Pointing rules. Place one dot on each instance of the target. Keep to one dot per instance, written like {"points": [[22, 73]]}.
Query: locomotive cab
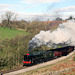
{"points": [[27, 59]]}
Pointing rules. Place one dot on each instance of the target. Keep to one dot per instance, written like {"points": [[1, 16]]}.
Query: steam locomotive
{"points": [[42, 55]]}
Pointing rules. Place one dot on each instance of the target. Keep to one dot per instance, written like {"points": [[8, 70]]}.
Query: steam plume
{"points": [[65, 33]]}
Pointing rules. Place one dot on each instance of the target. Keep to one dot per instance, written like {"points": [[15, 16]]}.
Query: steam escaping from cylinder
{"points": [[64, 34]]}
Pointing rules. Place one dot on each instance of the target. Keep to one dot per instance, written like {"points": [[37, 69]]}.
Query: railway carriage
{"points": [[42, 55]]}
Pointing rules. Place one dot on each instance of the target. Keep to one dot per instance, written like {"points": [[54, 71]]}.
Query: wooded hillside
{"points": [[20, 33]]}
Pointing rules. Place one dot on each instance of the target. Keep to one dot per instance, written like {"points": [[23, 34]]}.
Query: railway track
{"points": [[24, 69], [12, 70]]}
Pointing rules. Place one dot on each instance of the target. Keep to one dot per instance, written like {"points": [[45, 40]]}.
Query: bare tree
{"points": [[58, 19], [8, 17], [70, 18], [57, 13]]}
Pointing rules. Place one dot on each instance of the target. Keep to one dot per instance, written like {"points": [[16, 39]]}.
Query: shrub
{"points": [[74, 58]]}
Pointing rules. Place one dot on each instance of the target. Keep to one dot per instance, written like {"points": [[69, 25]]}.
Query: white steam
{"points": [[65, 33]]}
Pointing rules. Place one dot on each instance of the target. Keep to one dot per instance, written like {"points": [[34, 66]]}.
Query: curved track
{"points": [[25, 69]]}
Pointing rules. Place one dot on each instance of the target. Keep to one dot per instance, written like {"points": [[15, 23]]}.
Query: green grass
{"points": [[6, 33]]}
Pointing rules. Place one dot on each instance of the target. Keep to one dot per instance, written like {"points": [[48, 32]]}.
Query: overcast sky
{"points": [[39, 9]]}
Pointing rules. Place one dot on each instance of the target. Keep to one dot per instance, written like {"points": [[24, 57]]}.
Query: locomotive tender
{"points": [[45, 55]]}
